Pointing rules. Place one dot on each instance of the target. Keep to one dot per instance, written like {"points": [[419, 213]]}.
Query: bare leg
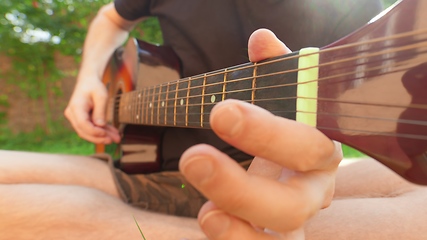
{"points": [[372, 202], [369, 178], [25, 167], [35, 211]]}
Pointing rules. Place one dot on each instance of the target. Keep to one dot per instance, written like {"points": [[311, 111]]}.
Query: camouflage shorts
{"points": [[163, 192]]}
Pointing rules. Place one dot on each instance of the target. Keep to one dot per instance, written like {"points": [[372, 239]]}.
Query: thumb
{"points": [[264, 44], [100, 105]]}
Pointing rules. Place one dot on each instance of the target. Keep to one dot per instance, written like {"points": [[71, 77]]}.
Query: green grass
{"points": [[67, 142], [350, 152], [61, 141], [142, 234]]}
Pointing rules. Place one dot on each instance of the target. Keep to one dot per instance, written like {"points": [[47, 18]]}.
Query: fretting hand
{"points": [[291, 178]]}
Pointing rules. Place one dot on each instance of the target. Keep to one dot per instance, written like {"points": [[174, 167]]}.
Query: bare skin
{"points": [[292, 177], [70, 197], [50, 196]]}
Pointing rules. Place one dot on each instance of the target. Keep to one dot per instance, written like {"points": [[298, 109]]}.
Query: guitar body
{"points": [[380, 100], [367, 90], [135, 66]]}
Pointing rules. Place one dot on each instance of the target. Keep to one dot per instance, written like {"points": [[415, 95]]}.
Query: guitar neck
{"points": [[366, 90], [188, 102]]}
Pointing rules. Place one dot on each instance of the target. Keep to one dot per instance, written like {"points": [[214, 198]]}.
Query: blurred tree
{"points": [[33, 31], [387, 3]]}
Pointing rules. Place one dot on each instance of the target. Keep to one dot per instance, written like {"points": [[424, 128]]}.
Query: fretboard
{"points": [[189, 101]]}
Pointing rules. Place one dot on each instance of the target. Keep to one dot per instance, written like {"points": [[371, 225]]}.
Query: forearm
{"points": [[106, 32]]}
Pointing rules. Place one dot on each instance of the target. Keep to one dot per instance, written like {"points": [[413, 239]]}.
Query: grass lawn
{"points": [[66, 141]]}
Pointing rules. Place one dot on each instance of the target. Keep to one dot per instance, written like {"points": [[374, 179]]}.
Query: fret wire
{"points": [[122, 98], [254, 74], [202, 109], [135, 105], [139, 107], [186, 105], [125, 106], [152, 105], [166, 101], [145, 105], [224, 86], [135, 102], [128, 106], [176, 97], [158, 104], [131, 106], [135, 117]]}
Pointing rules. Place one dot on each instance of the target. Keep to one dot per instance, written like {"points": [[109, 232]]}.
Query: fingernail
{"points": [[197, 169], [215, 223], [227, 120]]}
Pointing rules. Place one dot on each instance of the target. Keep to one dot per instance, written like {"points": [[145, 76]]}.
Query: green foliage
{"points": [[350, 152], [387, 3], [32, 32]]}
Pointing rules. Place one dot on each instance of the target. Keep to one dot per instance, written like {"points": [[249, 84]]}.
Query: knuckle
{"points": [[319, 153], [235, 202]]}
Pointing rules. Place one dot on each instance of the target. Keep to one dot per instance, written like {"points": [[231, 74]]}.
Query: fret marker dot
{"points": [[163, 104], [139, 95], [151, 105], [181, 102], [213, 99], [137, 116]]}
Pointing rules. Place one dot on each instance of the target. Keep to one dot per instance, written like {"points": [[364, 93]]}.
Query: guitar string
{"points": [[181, 122], [250, 66], [281, 113], [181, 115], [233, 69], [376, 133], [154, 88], [275, 86], [260, 76], [337, 48], [157, 102], [164, 111]]}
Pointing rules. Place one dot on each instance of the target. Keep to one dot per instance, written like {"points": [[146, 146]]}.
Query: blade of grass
{"points": [[139, 228]]}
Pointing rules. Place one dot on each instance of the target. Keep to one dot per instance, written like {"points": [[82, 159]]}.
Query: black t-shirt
{"points": [[212, 34]]}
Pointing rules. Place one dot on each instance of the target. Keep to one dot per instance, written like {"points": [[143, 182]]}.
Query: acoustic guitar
{"points": [[367, 90]]}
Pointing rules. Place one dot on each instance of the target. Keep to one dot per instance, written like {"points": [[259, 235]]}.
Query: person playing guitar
{"points": [[291, 178]]}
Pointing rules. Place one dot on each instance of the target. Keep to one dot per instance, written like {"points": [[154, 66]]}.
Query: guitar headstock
{"points": [[374, 89]]}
